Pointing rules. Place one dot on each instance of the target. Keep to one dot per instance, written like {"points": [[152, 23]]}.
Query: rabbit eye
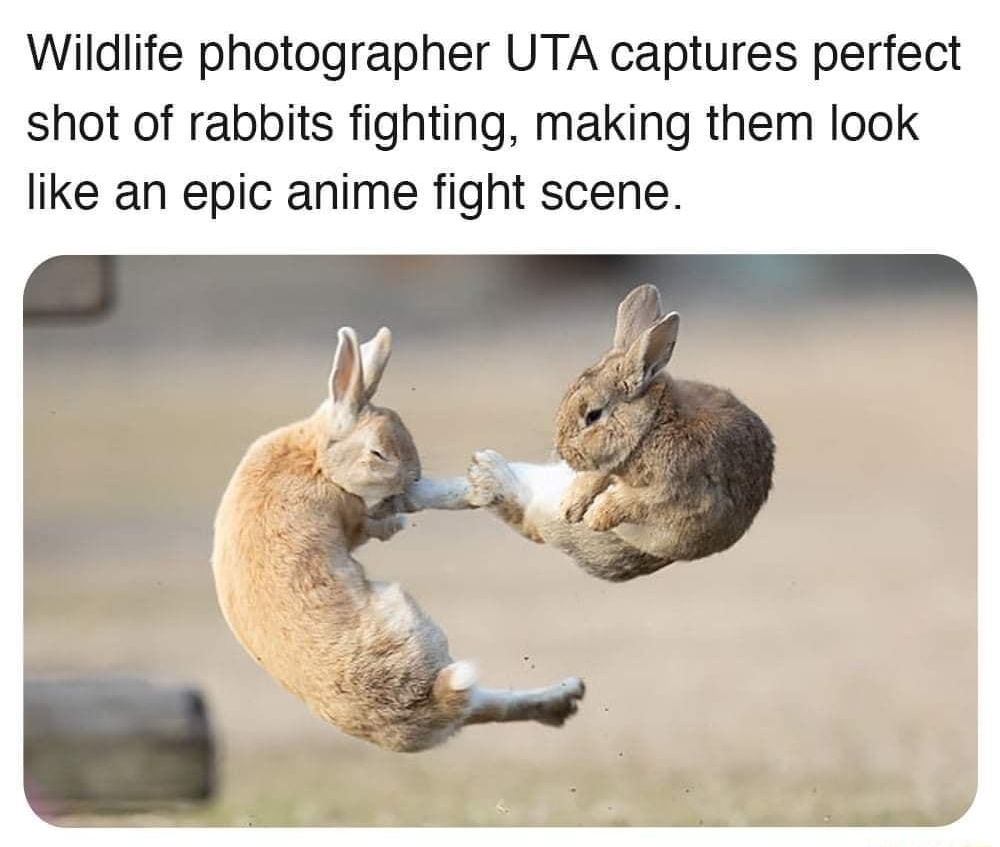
{"points": [[592, 416], [378, 455]]}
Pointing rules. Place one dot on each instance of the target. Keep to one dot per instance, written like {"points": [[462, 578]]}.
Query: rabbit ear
{"points": [[346, 382], [651, 351], [374, 356], [636, 313]]}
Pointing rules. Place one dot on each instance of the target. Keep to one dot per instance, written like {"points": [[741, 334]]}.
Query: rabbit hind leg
{"points": [[523, 495], [551, 705]]}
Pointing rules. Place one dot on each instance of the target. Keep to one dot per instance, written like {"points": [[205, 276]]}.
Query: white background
{"points": [[936, 196]]}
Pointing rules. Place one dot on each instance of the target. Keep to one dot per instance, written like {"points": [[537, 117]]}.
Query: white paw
{"points": [[490, 479]]}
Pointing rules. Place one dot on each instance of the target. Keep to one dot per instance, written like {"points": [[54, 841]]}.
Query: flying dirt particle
{"points": [[501, 808], [701, 822], [621, 755], [687, 790], [572, 789]]}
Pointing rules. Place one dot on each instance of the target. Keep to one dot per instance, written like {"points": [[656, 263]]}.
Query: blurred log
{"points": [[69, 287], [115, 744]]}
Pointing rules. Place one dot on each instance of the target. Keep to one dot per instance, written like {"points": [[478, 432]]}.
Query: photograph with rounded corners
{"points": [[676, 540]]}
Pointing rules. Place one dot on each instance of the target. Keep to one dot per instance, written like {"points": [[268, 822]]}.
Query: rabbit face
{"points": [[368, 450], [377, 459], [612, 405], [602, 419]]}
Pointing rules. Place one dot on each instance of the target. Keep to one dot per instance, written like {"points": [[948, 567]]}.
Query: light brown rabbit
{"points": [[654, 469], [361, 654]]}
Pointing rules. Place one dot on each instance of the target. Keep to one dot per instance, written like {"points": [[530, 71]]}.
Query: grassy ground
{"points": [[620, 795], [821, 672]]}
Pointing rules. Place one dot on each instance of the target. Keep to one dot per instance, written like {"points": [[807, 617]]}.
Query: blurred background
{"points": [[822, 671]]}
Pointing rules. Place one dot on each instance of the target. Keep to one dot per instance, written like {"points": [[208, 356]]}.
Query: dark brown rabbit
{"points": [[654, 470]]}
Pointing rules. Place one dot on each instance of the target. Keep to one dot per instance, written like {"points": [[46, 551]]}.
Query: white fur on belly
{"points": [[545, 484], [656, 541]]}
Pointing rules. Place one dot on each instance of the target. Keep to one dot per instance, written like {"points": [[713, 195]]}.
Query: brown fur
{"points": [[686, 462], [362, 654]]}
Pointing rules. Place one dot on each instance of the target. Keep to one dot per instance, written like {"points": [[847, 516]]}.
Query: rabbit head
{"points": [[609, 408], [366, 450]]}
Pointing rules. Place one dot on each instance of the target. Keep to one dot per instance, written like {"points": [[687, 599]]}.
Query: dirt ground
{"points": [[823, 671]]}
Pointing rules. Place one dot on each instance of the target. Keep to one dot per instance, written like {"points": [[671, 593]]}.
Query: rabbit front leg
{"points": [[581, 493], [384, 528], [617, 503]]}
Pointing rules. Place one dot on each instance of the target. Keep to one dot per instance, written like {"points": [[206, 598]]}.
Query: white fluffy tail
{"points": [[461, 675]]}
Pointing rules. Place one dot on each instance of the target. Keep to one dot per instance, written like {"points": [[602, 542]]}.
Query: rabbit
{"points": [[653, 469], [361, 654]]}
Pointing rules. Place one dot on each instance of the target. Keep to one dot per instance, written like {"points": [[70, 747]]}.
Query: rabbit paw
{"points": [[580, 494], [385, 528], [490, 479], [562, 701], [387, 508], [605, 512]]}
